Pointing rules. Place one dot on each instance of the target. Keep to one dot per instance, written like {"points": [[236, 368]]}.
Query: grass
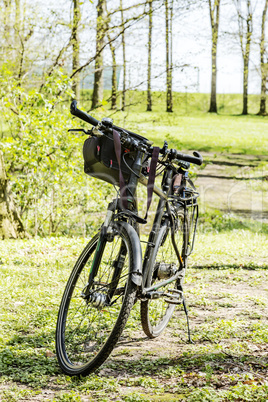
{"points": [[193, 128], [226, 290]]}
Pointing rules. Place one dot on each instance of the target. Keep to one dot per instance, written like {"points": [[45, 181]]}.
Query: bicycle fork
{"points": [[102, 298]]}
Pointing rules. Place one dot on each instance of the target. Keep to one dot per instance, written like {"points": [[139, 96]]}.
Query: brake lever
{"points": [[79, 130], [97, 130]]}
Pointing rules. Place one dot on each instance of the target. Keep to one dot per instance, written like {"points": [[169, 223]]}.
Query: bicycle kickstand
{"points": [[187, 318]]}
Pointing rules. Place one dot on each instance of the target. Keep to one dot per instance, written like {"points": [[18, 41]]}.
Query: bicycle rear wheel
{"points": [[156, 313], [89, 327]]}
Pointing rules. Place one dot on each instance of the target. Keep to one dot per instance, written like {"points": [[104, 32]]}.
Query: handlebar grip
{"points": [[82, 115], [196, 159]]}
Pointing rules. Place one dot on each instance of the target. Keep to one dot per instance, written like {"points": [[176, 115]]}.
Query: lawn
{"points": [[226, 286], [192, 129], [226, 291]]}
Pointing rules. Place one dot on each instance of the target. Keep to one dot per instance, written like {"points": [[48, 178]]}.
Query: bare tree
{"points": [[169, 16], [245, 29], [264, 63], [149, 68], [98, 75], [114, 70], [214, 9], [112, 46], [75, 45], [124, 57], [5, 16], [17, 26]]}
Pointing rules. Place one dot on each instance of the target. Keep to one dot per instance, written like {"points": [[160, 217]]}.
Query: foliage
{"points": [[45, 164], [43, 159]]}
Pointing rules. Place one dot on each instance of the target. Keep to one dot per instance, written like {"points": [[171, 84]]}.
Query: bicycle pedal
{"points": [[174, 296]]}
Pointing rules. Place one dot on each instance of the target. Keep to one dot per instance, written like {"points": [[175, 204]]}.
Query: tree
{"points": [[214, 10], [264, 63], [75, 45], [245, 29], [97, 95], [5, 16], [124, 57], [169, 66], [114, 68], [149, 68], [10, 223]]}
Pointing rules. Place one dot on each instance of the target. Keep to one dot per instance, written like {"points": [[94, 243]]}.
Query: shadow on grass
{"points": [[217, 266], [190, 362], [32, 367], [27, 365]]}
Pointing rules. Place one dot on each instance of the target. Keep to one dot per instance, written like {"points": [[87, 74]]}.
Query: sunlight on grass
{"points": [[227, 316], [189, 127]]}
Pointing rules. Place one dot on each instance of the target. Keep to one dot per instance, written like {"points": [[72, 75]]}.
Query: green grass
{"points": [[194, 128], [219, 221], [204, 132], [225, 290]]}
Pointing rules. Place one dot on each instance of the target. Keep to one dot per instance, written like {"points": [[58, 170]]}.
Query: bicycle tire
{"points": [[156, 313], [86, 334]]}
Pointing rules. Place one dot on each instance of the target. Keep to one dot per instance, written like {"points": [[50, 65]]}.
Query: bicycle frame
{"points": [[162, 209]]}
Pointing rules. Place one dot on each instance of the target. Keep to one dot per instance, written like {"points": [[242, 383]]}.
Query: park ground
{"points": [[226, 290]]}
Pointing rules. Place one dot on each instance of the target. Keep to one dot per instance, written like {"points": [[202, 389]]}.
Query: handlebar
{"points": [[172, 153], [82, 115], [94, 122], [196, 159]]}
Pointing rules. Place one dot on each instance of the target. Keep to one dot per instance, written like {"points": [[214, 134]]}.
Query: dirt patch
{"points": [[234, 183]]}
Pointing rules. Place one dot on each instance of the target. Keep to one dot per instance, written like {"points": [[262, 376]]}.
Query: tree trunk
{"points": [[11, 226], [149, 94], [264, 72], [76, 46], [124, 57], [114, 66], [214, 19], [246, 59], [114, 81], [17, 26], [169, 14], [97, 95], [6, 45], [245, 85], [245, 34]]}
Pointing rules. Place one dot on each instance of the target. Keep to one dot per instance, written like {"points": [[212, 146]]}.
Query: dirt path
{"points": [[235, 183]]}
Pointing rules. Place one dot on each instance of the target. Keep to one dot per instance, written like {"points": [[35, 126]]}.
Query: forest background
{"points": [[119, 60]]}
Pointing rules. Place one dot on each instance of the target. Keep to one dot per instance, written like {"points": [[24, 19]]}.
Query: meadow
{"points": [[226, 291], [226, 285], [189, 127]]}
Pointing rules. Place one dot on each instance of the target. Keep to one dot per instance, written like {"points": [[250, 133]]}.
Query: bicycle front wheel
{"points": [[156, 313], [89, 327]]}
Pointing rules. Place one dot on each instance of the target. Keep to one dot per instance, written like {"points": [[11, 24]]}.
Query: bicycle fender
{"points": [[136, 273]]}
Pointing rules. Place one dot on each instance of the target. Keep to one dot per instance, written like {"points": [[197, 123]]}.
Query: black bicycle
{"points": [[111, 274]]}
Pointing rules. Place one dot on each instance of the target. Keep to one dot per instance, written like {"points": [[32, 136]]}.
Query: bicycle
{"points": [[110, 275]]}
